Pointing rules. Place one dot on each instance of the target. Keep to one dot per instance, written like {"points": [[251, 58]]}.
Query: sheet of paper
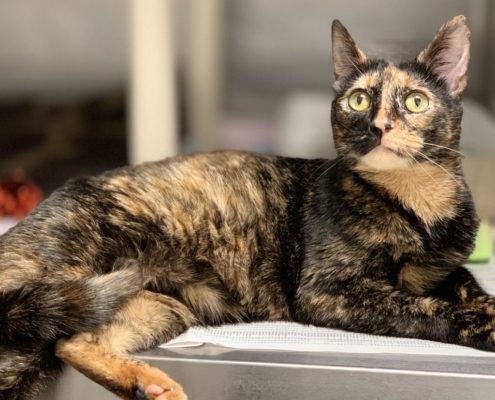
{"points": [[290, 336]]}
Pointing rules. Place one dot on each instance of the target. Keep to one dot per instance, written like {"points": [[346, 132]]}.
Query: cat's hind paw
{"points": [[152, 386]]}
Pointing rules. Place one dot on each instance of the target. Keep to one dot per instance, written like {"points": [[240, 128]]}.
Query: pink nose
{"points": [[382, 122]]}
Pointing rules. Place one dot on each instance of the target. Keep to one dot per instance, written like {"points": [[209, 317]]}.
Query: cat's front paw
{"points": [[476, 328]]}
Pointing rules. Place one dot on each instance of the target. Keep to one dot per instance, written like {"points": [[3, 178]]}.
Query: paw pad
{"points": [[151, 392]]}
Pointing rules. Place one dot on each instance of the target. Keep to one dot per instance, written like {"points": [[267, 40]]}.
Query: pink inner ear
{"points": [[452, 62], [453, 75], [448, 54], [455, 58]]}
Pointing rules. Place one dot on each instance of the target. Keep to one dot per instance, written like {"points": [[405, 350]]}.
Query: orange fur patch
{"points": [[425, 189]]}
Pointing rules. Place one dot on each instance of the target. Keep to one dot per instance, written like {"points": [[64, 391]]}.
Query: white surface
{"points": [[6, 223], [485, 274]]}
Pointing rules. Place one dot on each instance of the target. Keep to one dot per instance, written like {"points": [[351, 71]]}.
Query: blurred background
{"points": [[88, 85]]}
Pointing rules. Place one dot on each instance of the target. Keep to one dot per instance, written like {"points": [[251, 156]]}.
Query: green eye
{"points": [[359, 100], [417, 102]]}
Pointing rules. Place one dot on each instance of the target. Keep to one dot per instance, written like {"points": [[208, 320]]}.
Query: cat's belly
{"points": [[225, 276]]}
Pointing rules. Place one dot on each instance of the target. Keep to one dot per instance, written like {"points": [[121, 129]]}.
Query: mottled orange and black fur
{"points": [[371, 242]]}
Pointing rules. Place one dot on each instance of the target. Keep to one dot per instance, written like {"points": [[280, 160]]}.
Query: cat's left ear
{"points": [[447, 56]]}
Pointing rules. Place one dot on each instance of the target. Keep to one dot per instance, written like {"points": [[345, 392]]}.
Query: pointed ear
{"points": [[346, 55], [447, 56]]}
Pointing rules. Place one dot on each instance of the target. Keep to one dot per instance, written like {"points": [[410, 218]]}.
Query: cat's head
{"points": [[388, 116]]}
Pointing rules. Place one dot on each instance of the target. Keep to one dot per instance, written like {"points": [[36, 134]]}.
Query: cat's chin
{"points": [[382, 158]]}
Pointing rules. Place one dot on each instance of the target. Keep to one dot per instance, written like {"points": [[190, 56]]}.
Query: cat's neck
{"points": [[426, 189]]}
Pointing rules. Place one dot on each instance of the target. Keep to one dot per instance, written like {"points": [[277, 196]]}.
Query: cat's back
{"points": [[180, 194], [240, 187]]}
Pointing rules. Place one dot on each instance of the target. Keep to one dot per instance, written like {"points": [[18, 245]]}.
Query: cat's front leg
{"points": [[461, 287], [371, 306]]}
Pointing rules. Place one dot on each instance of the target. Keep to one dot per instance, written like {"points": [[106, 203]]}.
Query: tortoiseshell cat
{"points": [[372, 242]]}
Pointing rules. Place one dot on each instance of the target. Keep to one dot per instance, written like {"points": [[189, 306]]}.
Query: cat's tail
{"points": [[42, 312], [33, 317], [24, 372]]}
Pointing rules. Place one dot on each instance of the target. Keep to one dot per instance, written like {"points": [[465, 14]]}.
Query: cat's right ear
{"points": [[346, 55]]}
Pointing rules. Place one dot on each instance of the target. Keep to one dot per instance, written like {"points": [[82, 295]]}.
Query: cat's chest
{"points": [[427, 191], [391, 233], [375, 222]]}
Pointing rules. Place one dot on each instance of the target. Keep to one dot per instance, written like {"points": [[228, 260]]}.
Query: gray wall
{"points": [[278, 46], [490, 50], [62, 48], [77, 48]]}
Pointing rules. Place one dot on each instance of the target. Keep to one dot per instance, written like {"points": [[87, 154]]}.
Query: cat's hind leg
{"points": [[145, 321]]}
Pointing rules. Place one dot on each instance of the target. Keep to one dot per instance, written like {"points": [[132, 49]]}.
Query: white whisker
{"points": [[312, 173], [421, 166], [354, 64], [329, 168], [323, 165], [438, 165], [443, 147]]}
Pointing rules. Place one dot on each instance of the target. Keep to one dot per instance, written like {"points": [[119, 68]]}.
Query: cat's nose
{"points": [[382, 123]]}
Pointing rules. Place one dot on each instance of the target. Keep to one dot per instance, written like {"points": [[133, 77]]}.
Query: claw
{"points": [[139, 393]]}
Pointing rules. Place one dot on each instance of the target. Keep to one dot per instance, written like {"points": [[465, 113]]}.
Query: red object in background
{"points": [[18, 195]]}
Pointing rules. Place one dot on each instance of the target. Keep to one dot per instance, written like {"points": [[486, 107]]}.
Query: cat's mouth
{"points": [[382, 157], [384, 149]]}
